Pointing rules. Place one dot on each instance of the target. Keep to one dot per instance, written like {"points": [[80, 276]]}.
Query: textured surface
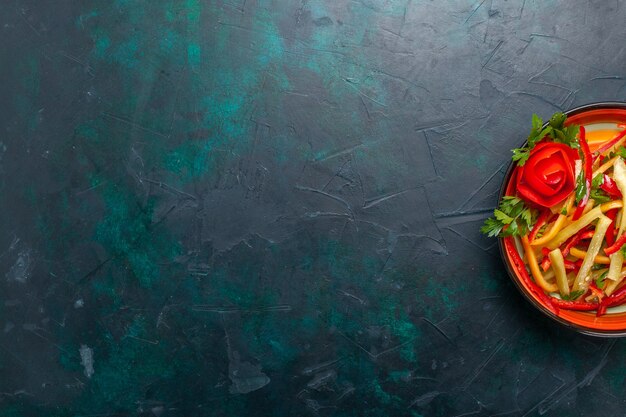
{"points": [[271, 207]]}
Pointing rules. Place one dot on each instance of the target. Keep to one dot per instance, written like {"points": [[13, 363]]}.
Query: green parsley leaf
{"points": [[621, 151], [598, 180], [600, 280], [520, 155], [502, 217], [573, 295], [555, 129], [581, 189], [557, 120], [600, 196], [511, 218], [492, 227]]}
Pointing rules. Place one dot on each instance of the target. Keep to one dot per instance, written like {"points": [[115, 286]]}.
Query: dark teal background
{"points": [[271, 208]]}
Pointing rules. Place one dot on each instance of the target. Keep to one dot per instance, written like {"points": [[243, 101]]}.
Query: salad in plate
{"points": [[563, 221]]}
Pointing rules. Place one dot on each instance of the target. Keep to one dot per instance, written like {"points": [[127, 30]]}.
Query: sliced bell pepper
{"points": [[615, 299], [587, 172], [545, 262], [571, 266], [610, 187], [520, 267], [595, 291], [574, 305], [575, 240], [616, 246], [609, 144], [541, 220], [610, 233]]}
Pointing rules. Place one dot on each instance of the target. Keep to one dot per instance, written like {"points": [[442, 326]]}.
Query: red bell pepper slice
{"points": [[587, 172], [574, 305], [616, 246], [615, 299], [609, 144], [518, 263], [569, 265], [541, 220], [610, 232], [545, 262], [610, 187], [574, 240]]}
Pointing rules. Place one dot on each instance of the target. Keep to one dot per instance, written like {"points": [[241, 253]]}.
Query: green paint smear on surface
{"points": [[128, 234], [122, 371], [102, 43], [194, 10], [224, 89], [193, 54], [350, 268], [80, 21], [443, 298]]}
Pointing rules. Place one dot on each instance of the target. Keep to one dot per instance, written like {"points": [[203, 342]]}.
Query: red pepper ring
{"points": [[518, 263], [587, 172]]}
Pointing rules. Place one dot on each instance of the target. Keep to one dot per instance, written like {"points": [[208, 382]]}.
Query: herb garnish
{"points": [[573, 295], [600, 280], [511, 218], [555, 129], [596, 193]]}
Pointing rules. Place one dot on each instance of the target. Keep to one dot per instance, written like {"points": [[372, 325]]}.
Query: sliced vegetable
{"points": [[574, 305], [586, 174], [610, 233], [573, 228], [574, 240], [616, 246], [610, 187], [582, 254], [617, 257], [618, 298], [613, 142], [518, 263], [534, 267], [582, 278], [619, 175], [605, 166], [541, 220], [558, 264]]}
